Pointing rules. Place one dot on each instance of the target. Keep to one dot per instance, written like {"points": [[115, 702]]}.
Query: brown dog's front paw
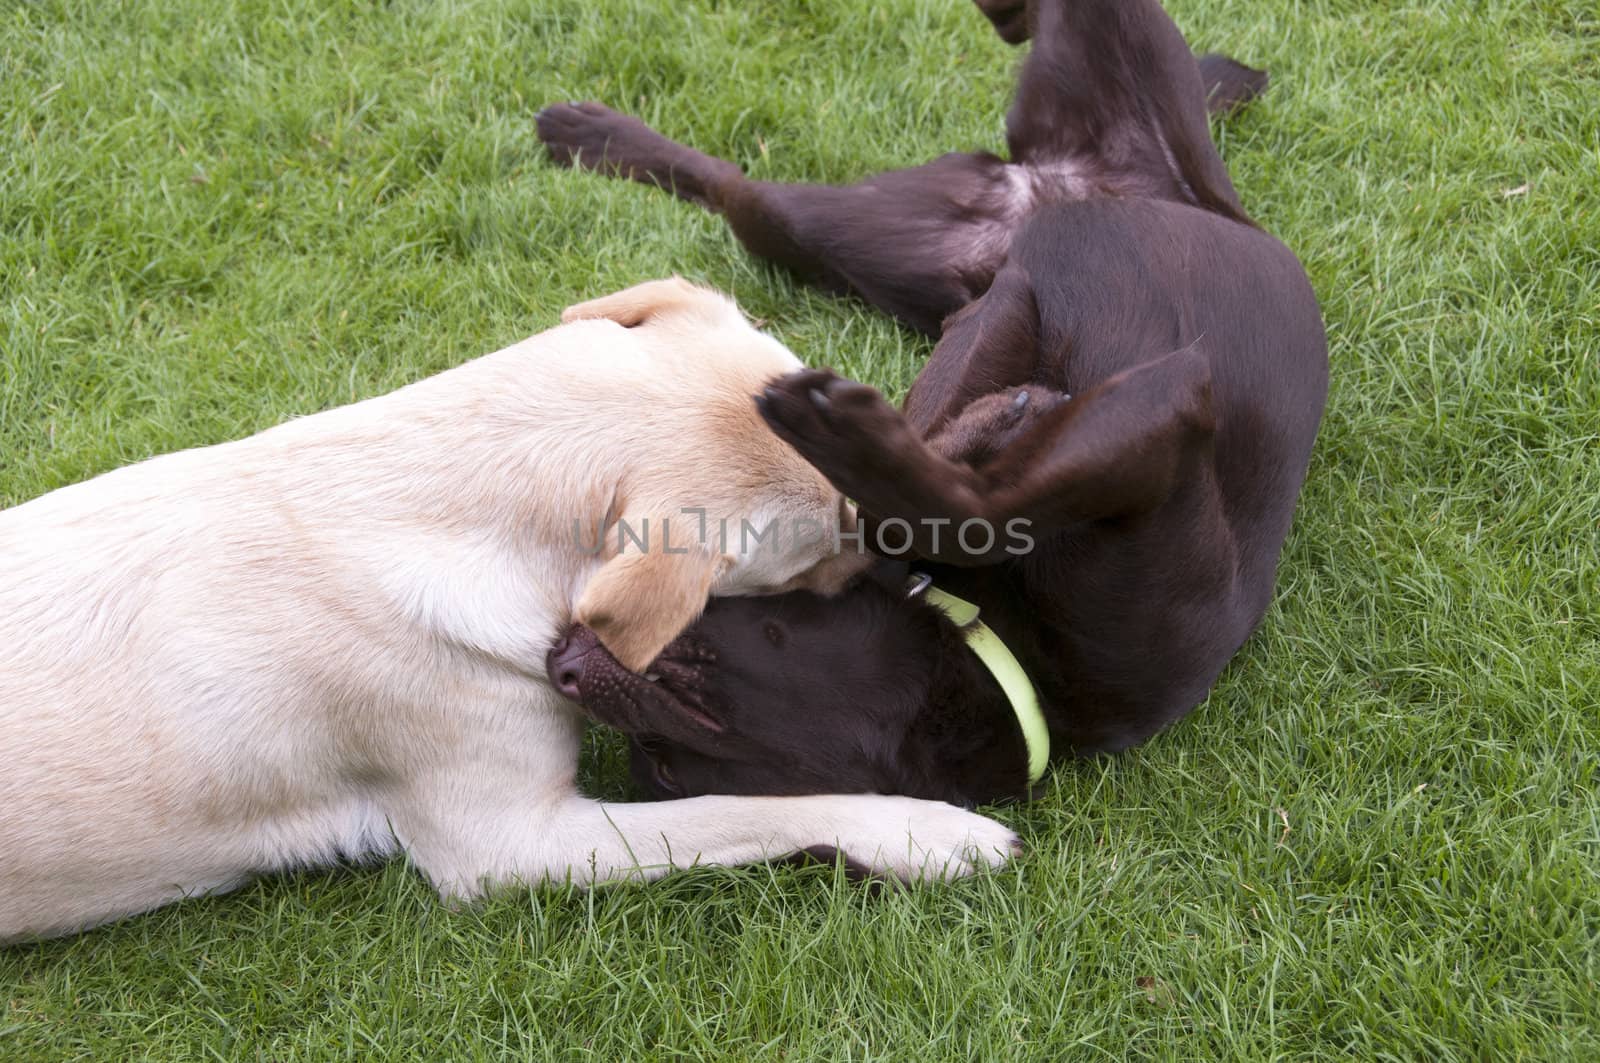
{"points": [[790, 410], [847, 430]]}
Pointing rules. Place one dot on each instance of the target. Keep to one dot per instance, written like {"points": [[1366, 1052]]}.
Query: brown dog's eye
{"points": [[664, 777], [774, 634]]}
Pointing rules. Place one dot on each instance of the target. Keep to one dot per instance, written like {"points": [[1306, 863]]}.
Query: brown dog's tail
{"points": [[1229, 84]]}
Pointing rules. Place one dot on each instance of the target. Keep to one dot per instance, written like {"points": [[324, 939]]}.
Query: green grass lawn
{"points": [[1380, 837]]}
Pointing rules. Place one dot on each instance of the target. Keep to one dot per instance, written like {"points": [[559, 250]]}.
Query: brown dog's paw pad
{"points": [[792, 405], [847, 430], [819, 399]]}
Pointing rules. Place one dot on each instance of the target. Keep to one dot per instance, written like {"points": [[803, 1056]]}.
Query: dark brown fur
{"points": [[1127, 363]]}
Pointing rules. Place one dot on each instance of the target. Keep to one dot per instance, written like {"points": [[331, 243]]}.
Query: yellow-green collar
{"points": [[1003, 665]]}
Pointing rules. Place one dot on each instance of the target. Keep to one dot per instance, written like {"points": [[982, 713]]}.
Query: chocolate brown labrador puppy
{"points": [[1130, 369]]}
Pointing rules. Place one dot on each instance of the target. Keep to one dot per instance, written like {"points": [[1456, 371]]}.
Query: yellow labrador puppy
{"points": [[327, 640]]}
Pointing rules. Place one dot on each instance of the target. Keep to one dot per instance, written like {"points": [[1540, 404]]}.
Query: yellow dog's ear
{"points": [[830, 575], [638, 602], [638, 305]]}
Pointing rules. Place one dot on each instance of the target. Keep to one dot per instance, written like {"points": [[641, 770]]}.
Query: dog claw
{"points": [[819, 399], [1020, 401]]}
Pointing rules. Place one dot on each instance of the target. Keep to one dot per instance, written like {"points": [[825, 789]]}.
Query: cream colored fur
{"points": [[328, 639]]}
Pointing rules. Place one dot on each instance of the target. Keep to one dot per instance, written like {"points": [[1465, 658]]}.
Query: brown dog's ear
{"points": [[638, 602], [642, 303], [893, 574]]}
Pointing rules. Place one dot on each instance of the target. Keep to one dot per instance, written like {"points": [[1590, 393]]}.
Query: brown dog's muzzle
{"points": [[581, 668], [565, 662]]}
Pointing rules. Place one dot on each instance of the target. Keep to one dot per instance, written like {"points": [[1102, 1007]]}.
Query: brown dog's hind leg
{"points": [[595, 137], [1112, 88], [918, 244]]}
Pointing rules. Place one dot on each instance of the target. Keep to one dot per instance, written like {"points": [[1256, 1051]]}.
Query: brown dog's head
{"points": [[866, 691]]}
